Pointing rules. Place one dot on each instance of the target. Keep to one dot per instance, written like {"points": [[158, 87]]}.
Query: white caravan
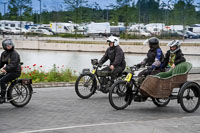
{"points": [[101, 29], [137, 27], [14, 24], [62, 27], [155, 28]]}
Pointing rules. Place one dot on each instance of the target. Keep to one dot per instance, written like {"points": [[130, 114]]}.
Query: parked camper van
{"points": [[62, 27], [101, 29]]}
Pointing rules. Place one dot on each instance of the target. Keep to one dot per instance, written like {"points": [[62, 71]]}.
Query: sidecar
{"points": [[162, 86]]}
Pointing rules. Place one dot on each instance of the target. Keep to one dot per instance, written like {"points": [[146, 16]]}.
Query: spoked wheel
{"points": [[118, 97], [161, 102], [85, 86], [189, 98], [20, 95]]}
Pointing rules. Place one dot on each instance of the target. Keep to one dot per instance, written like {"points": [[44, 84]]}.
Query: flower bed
{"points": [[56, 74]]}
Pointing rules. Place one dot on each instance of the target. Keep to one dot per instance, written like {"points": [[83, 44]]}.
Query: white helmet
{"points": [[113, 39], [174, 43]]}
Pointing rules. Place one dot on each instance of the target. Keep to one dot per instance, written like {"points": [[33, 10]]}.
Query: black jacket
{"points": [[178, 59], [151, 55], [12, 60], [115, 55]]}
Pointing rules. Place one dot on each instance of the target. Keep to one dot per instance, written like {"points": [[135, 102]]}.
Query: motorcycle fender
{"points": [[86, 70]]}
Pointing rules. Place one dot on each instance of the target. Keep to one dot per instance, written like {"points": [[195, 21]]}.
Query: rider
{"points": [[10, 66], [153, 59], [116, 56], [173, 56]]}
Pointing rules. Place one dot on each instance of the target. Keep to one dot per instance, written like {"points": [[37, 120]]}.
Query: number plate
{"points": [[128, 77], [93, 71]]}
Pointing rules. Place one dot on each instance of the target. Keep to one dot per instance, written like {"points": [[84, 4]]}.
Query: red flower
{"points": [[41, 66], [45, 77], [27, 66], [34, 65], [30, 74]]}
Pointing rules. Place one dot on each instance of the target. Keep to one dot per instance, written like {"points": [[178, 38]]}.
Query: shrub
{"points": [[56, 74]]}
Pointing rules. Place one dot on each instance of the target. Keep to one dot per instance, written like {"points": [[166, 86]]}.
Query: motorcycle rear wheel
{"points": [[20, 95]]}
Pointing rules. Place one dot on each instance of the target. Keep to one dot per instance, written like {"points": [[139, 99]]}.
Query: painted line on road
{"points": [[93, 125], [80, 126]]}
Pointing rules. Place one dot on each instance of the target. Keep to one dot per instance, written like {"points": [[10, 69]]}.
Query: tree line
{"points": [[183, 12]]}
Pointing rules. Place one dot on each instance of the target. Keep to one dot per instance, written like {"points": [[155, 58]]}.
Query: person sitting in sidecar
{"points": [[115, 54], [154, 58], [173, 57]]}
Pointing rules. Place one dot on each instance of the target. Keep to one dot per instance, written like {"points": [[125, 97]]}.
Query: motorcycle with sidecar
{"points": [[160, 88]]}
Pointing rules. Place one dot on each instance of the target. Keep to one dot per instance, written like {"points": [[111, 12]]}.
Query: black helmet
{"points": [[153, 42], [7, 42]]}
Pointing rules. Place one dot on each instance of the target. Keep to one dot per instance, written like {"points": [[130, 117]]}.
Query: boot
{"points": [[2, 100]]}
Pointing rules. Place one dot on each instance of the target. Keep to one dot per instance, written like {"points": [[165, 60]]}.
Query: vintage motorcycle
{"points": [[90, 82], [160, 88], [18, 92]]}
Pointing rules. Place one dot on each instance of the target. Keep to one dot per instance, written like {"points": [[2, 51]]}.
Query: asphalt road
{"points": [[59, 110]]}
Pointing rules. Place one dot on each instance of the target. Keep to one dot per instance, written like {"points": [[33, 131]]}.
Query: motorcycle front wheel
{"points": [[85, 86], [118, 97]]}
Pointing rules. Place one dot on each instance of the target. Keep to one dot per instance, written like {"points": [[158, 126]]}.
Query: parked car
{"points": [[191, 35], [22, 30], [32, 29], [141, 33], [43, 31], [48, 29], [8, 30]]}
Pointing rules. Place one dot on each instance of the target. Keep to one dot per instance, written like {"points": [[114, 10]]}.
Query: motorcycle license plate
{"points": [[93, 71], [128, 77]]}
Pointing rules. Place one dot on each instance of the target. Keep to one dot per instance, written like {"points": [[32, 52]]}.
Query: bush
{"points": [[56, 74]]}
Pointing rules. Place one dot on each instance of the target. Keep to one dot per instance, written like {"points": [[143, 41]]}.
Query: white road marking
{"points": [[79, 126], [101, 124]]}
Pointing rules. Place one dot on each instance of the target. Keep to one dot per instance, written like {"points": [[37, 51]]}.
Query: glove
{"points": [[138, 65], [100, 65]]}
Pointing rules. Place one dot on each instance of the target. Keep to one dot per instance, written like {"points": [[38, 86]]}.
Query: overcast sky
{"points": [[59, 5]]}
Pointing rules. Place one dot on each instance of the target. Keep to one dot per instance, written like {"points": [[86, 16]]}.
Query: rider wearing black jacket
{"points": [[116, 56], [154, 57], [10, 66], [174, 56]]}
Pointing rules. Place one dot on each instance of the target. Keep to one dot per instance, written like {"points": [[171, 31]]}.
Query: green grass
{"points": [[56, 74]]}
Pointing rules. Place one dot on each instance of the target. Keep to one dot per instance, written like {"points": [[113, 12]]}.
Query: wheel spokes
{"points": [[189, 99]]}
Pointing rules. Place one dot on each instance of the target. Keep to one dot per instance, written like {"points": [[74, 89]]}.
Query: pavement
{"points": [[60, 110]]}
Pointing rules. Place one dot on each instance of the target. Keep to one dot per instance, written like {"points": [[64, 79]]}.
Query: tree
{"points": [[1, 16], [148, 10], [190, 12], [75, 6], [19, 9]]}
